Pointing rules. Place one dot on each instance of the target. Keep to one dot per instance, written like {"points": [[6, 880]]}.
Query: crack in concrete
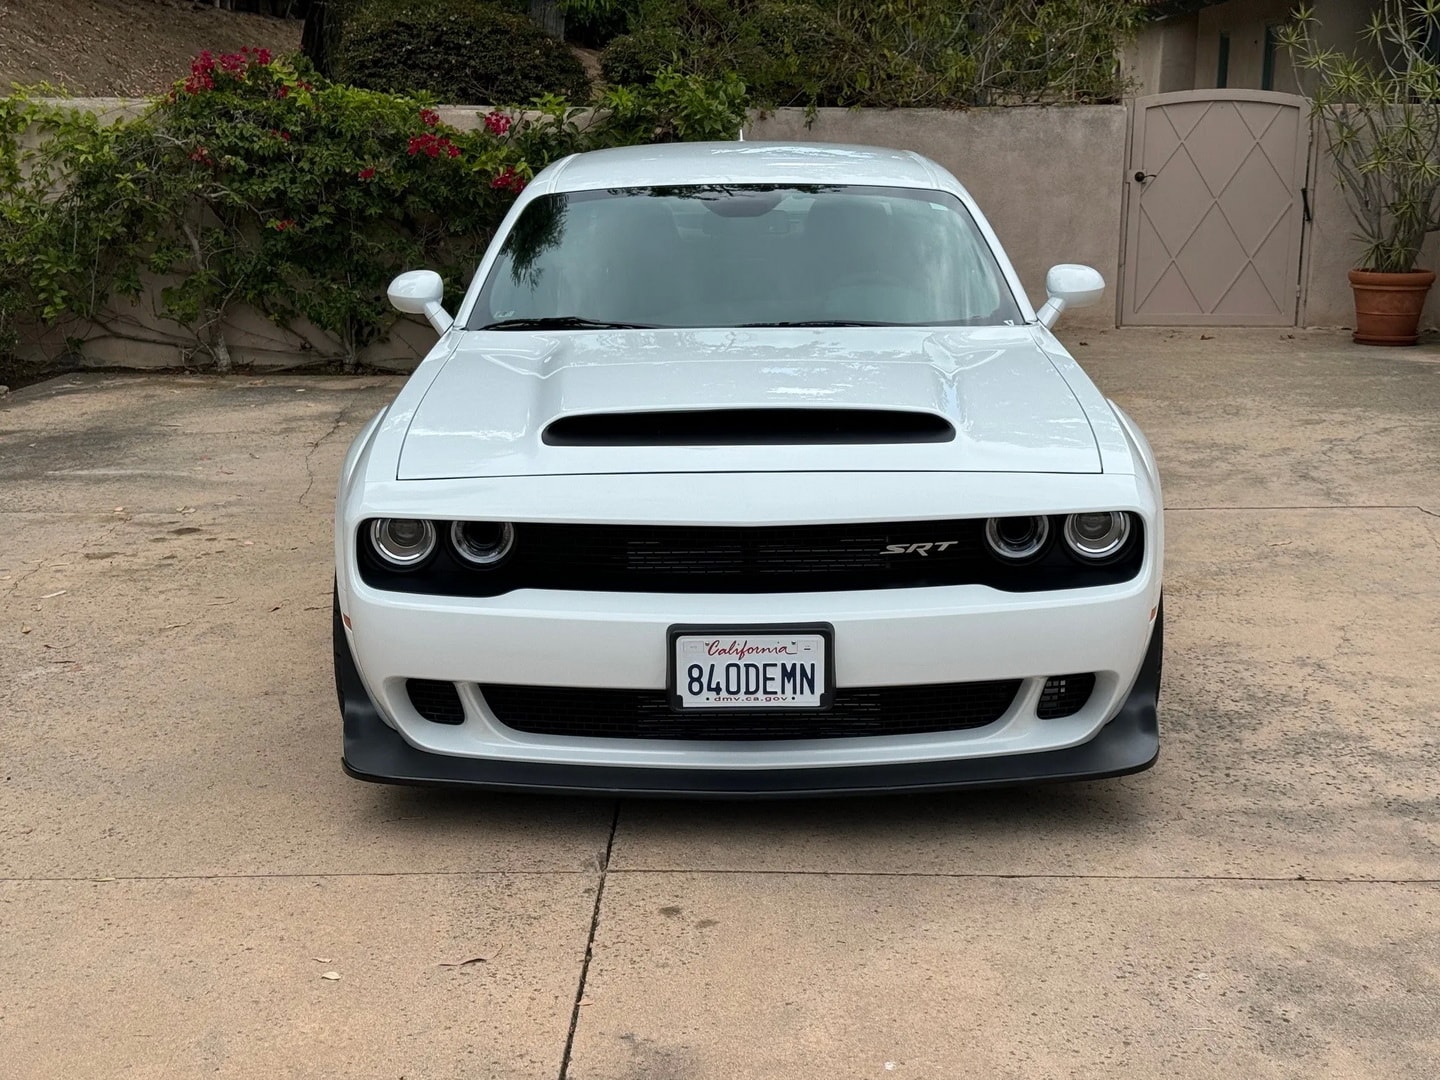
{"points": [[589, 945], [15, 586], [340, 418]]}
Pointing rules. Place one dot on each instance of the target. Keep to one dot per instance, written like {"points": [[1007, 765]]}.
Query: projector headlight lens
{"points": [[482, 543], [402, 543], [1097, 536], [1017, 539]]}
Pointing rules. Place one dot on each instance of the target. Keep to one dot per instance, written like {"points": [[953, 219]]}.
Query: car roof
{"points": [[744, 163]]}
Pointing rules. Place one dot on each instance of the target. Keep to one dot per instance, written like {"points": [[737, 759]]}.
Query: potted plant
{"points": [[1380, 111]]}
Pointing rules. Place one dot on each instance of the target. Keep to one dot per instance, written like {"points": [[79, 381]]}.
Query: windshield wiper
{"points": [[563, 322], [820, 322]]}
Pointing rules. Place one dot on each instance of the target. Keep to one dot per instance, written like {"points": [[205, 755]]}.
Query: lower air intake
{"points": [[1065, 695], [438, 702], [646, 714]]}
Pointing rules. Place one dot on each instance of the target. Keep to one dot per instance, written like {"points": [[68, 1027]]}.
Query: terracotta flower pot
{"points": [[1388, 306]]}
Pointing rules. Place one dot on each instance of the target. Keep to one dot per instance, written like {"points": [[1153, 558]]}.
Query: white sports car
{"points": [[747, 469]]}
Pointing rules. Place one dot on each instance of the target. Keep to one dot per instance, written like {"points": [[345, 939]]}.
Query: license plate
{"points": [[768, 668]]}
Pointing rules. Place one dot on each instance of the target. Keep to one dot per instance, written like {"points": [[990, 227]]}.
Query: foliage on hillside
{"points": [[124, 48], [456, 50], [941, 53]]}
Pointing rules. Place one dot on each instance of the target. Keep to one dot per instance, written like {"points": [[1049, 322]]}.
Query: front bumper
{"points": [[1129, 742]]}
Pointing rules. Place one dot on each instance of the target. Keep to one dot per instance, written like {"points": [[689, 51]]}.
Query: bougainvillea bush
{"points": [[256, 183]]}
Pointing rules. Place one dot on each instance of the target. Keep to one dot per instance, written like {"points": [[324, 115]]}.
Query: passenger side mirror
{"points": [[1069, 285], [420, 292]]}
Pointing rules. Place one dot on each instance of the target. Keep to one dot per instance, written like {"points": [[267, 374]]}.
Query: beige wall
{"points": [[1048, 178], [1157, 64], [1245, 22], [1161, 59]]}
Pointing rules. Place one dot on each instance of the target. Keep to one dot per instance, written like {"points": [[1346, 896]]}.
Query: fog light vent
{"points": [[1065, 695], [438, 702]]}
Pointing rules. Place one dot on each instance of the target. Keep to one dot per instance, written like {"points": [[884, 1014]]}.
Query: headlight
{"points": [[402, 543], [1097, 536], [1017, 539], [482, 543]]}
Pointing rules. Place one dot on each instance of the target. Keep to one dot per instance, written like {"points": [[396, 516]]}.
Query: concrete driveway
{"points": [[182, 862]]}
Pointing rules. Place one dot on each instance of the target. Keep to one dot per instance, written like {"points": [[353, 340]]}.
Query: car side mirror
{"points": [[420, 292], [1069, 285]]}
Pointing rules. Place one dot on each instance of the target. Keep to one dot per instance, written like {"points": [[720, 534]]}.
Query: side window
{"points": [[1267, 70]]}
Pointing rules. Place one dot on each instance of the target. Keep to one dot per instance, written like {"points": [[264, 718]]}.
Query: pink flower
{"points": [[282, 91], [200, 154], [367, 173], [262, 56], [508, 180], [431, 145], [429, 117], [202, 73], [284, 223], [497, 123]]}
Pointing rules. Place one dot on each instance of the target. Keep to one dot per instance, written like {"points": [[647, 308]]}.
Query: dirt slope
{"points": [[122, 48]]}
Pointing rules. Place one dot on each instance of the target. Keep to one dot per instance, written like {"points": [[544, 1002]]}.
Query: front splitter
{"points": [[375, 752]]}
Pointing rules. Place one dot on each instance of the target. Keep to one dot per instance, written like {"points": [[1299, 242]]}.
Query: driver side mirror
{"points": [[1069, 285], [420, 292]]}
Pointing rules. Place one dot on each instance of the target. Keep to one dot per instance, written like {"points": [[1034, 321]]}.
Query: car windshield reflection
{"points": [[752, 255]]}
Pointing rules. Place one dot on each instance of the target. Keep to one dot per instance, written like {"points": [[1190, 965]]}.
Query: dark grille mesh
{"points": [[1065, 695], [436, 701], [794, 552], [646, 714]]}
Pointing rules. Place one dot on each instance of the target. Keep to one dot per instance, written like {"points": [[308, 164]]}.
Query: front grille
{"points": [[438, 702], [646, 714], [758, 559], [1065, 695]]}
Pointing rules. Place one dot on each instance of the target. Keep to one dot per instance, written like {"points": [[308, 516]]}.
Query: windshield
{"points": [[744, 255]]}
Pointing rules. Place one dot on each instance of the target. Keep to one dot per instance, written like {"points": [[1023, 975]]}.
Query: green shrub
{"points": [[783, 50], [890, 53], [676, 107], [793, 53], [254, 183], [595, 22], [633, 59], [455, 50]]}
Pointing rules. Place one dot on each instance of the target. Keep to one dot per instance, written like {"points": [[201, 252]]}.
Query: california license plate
{"points": [[769, 668]]}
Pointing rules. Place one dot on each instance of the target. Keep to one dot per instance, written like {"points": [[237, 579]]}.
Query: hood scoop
{"points": [[750, 427]]}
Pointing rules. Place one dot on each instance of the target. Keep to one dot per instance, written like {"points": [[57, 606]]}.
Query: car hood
{"points": [[486, 411]]}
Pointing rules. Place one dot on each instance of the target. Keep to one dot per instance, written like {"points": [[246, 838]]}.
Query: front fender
{"points": [[350, 469]]}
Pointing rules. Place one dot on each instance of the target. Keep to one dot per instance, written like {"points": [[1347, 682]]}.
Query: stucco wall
{"points": [[1157, 64], [1048, 179], [1161, 58]]}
